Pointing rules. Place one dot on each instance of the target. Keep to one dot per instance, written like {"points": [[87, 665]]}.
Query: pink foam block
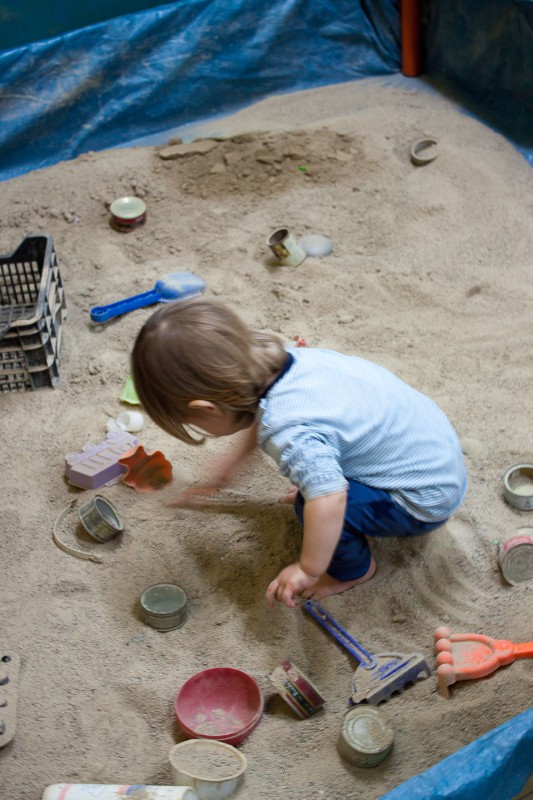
{"points": [[98, 465]]}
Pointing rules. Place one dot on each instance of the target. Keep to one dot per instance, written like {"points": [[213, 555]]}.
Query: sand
{"points": [[430, 276]]}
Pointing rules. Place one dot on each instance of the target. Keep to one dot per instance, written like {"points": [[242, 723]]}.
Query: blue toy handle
{"points": [[103, 313], [366, 659]]}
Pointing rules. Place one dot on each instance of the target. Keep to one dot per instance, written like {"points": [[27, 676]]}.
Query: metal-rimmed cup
{"points": [[424, 151], [127, 213], [100, 519], [365, 737], [515, 557], [518, 486], [164, 606], [296, 689], [285, 247]]}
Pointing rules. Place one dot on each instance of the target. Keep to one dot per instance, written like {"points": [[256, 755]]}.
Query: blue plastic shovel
{"points": [[170, 287]]}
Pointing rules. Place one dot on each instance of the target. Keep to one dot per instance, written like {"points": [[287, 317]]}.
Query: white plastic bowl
{"points": [[210, 767]]}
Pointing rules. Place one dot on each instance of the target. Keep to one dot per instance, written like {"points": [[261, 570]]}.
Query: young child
{"points": [[367, 454]]}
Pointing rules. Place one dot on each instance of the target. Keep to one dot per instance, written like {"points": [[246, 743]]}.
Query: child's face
{"points": [[217, 422]]}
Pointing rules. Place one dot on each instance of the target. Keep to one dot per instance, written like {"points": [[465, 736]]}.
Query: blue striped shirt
{"points": [[330, 418]]}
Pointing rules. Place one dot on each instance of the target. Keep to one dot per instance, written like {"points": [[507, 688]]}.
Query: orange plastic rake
{"points": [[467, 656]]}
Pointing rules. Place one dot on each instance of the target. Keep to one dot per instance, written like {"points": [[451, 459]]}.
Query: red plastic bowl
{"points": [[220, 703]]}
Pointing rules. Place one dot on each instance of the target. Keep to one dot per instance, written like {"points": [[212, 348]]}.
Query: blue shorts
{"points": [[369, 512]]}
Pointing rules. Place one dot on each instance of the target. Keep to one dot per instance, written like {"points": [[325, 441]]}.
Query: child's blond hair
{"points": [[201, 350]]}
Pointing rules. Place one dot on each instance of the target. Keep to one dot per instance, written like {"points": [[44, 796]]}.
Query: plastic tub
{"points": [[223, 703], [210, 767]]}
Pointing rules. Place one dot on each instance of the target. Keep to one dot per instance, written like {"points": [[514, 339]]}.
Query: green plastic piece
{"points": [[128, 394]]}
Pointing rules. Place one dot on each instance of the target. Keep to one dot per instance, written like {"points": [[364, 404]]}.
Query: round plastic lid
{"points": [[208, 760]]}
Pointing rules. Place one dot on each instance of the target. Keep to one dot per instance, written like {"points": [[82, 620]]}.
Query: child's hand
{"points": [[194, 496], [199, 494], [290, 582]]}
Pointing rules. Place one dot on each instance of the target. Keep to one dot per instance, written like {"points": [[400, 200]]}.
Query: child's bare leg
{"points": [[327, 586]]}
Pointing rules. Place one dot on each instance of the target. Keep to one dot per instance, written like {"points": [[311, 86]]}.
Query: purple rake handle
{"points": [[350, 644]]}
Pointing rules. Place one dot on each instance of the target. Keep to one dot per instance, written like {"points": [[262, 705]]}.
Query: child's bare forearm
{"points": [[222, 472], [323, 521], [230, 463]]}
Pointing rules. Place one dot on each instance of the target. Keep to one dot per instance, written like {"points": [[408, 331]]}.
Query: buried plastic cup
{"points": [[100, 791], [211, 767]]}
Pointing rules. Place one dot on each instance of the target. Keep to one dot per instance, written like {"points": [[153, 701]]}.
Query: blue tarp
{"points": [[481, 52], [141, 73], [132, 76], [32, 20], [496, 766]]}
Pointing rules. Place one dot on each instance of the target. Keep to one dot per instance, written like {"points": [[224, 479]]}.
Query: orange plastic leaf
{"points": [[146, 472]]}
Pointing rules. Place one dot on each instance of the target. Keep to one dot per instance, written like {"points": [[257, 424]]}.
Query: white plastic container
{"points": [[212, 768], [132, 421], [99, 791]]}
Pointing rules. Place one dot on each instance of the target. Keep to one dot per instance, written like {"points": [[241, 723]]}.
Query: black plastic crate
{"points": [[32, 311]]}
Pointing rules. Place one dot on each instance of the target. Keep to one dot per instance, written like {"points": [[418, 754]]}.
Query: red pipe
{"points": [[410, 30]]}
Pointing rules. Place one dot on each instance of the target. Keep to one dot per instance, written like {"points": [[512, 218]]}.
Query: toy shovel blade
{"points": [[392, 673], [175, 286], [467, 656], [377, 677]]}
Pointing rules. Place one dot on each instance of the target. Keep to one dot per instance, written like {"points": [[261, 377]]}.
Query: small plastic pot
{"points": [[222, 703], [127, 213], [210, 767]]}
